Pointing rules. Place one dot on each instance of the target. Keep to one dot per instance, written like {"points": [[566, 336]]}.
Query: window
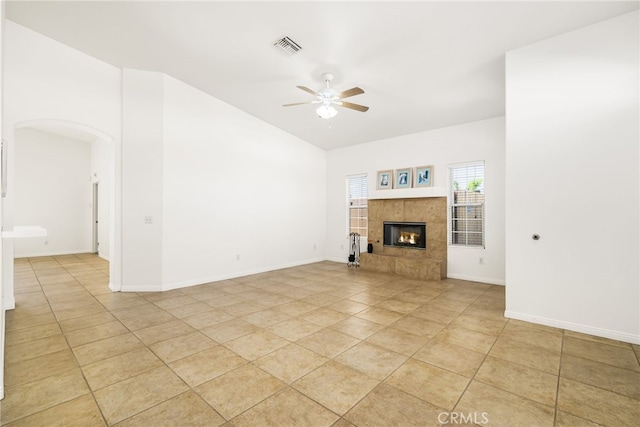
{"points": [[466, 204], [358, 215]]}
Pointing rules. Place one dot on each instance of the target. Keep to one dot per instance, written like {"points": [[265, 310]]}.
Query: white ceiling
{"points": [[422, 64]]}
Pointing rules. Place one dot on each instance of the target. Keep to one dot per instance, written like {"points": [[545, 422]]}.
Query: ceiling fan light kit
{"points": [[328, 97]]}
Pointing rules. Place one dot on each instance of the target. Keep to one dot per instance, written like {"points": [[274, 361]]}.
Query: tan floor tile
{"points": [[182, 346], [106, 348], [189, 310], [163, 332], [593, 338], [480, 324], [126, 398], [451, 357], [222, 301], [335, 386], [398, 340], [432, 311], [14, 323], [597, 405], [95, 333], [320, 299], [115, 369], [612, 378], [419, 326], [462, 337], [207, 318], [399, 306], [296, 308], [323, 316], [206, 365], [38, 368], [501, 408], [367, 298], [266, 318], [379, 315], [290, 362], [388, 406], [256, 345], [36, 396], [294, 329], [534, 336], [185, 410], [174, 302], [230, 400], [518, 379], [147, 320], [22, 336], [439, 387], [84, 310], [328, 343], [357, 327], [229, 330], [288, 408], [79, 412], [33, 349], [526, 354], [136, 311], [564, 419], [243, 308], [85, 322], [376, 362], [622, 357], [348, 306]]}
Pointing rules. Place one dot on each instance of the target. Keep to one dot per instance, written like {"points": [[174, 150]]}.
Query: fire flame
{"points": [[410, 238]]}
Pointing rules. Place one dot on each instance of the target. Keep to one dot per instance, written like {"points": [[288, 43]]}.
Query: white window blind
{"points": [[358, 214], [466, 204]]}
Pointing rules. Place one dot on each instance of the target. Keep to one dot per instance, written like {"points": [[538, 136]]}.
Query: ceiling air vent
{"points": [[288, 45]]}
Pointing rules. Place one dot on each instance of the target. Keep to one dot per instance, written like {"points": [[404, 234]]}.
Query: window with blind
{"points": [[358, 215], [466, 204]]}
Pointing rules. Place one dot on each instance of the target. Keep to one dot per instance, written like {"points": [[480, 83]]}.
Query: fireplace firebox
{"points": [[405, 234]]}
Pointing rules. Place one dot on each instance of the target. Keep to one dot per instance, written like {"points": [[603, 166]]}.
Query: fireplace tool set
{"points": [[354, 254]]}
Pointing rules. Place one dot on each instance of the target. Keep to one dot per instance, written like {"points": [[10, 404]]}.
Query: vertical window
{"points": [[466, 204], [358, 215]]}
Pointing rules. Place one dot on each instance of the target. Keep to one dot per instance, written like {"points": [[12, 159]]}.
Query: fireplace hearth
{"points": [[411, 235]]}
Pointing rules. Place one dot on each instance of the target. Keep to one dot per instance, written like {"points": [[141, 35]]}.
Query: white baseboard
{"points": [[9, 302], [576, 327], [1, 392]]}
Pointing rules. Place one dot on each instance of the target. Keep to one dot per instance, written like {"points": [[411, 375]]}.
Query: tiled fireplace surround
{"points": [[429, 264]]}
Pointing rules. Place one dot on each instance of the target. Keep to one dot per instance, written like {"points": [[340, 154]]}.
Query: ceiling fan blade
{"points": [[350, 92], [301, 103], [352, 106], [306, 89]]}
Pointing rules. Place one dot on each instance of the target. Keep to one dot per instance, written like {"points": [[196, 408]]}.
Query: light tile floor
{"points": [[316, 345]]}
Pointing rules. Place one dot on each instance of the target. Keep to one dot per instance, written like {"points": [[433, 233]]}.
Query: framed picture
{"points": [[423, 176], [403, 178], [385, 180]]}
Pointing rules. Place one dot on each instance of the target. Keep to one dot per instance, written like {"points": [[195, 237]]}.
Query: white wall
{"points": [[52, 189], [239, 196], [142, 180], [573, 145], [483, 140], [46, 80]]}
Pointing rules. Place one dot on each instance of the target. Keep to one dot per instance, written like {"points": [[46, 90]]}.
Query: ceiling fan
{"points": [[328, 97]]}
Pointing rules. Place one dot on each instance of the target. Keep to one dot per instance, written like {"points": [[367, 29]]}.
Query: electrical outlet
{"points": [[148, 220], [46, 242], [238, 257], [481, 261], [314, 246]]}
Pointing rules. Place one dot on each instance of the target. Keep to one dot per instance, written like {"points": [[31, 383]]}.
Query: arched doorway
{"points": [[104, 145]]}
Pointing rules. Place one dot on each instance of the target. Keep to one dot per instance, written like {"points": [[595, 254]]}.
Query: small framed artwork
{"points": [[385, 180], [423, 176], [403, 178]]}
